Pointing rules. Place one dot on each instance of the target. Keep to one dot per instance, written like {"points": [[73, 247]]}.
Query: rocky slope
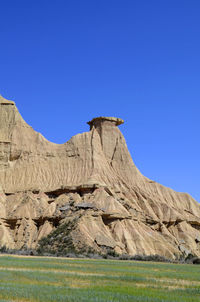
{"points": [[90, 190]]}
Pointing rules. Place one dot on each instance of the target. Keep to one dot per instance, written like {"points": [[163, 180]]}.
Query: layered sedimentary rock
{"points": [[90, 180]]}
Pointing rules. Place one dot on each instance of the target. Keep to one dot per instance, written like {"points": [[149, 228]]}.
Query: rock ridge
{"points": [[92, 184]]}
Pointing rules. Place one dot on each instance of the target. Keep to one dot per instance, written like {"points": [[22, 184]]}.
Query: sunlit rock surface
{"points": [[91, 179]]}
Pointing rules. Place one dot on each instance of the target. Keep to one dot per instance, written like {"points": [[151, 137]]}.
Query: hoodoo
{"points": [[102, 120], [87, 194]]}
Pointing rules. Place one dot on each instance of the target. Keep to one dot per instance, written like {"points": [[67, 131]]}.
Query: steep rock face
{"points": [[92, 183]]}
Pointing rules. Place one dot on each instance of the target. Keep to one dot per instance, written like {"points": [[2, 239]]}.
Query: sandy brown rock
{"points": [[91, 179]]}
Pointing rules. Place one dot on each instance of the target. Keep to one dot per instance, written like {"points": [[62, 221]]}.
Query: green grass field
{"points": [[61, 279]]}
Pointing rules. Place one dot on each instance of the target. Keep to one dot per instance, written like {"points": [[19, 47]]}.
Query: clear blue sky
{"points": [[65, 62]]}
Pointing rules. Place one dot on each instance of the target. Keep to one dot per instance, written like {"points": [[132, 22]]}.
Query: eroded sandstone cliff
{"points": [[91, 189]]}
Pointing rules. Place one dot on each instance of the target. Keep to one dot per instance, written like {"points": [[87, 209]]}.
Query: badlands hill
{"points": [[87, 194]]}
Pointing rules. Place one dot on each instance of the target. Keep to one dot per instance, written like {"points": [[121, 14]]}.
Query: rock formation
{"points": [[91, 187]]}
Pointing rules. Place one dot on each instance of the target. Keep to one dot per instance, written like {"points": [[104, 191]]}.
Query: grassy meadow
{"points": [[62, 279]]}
